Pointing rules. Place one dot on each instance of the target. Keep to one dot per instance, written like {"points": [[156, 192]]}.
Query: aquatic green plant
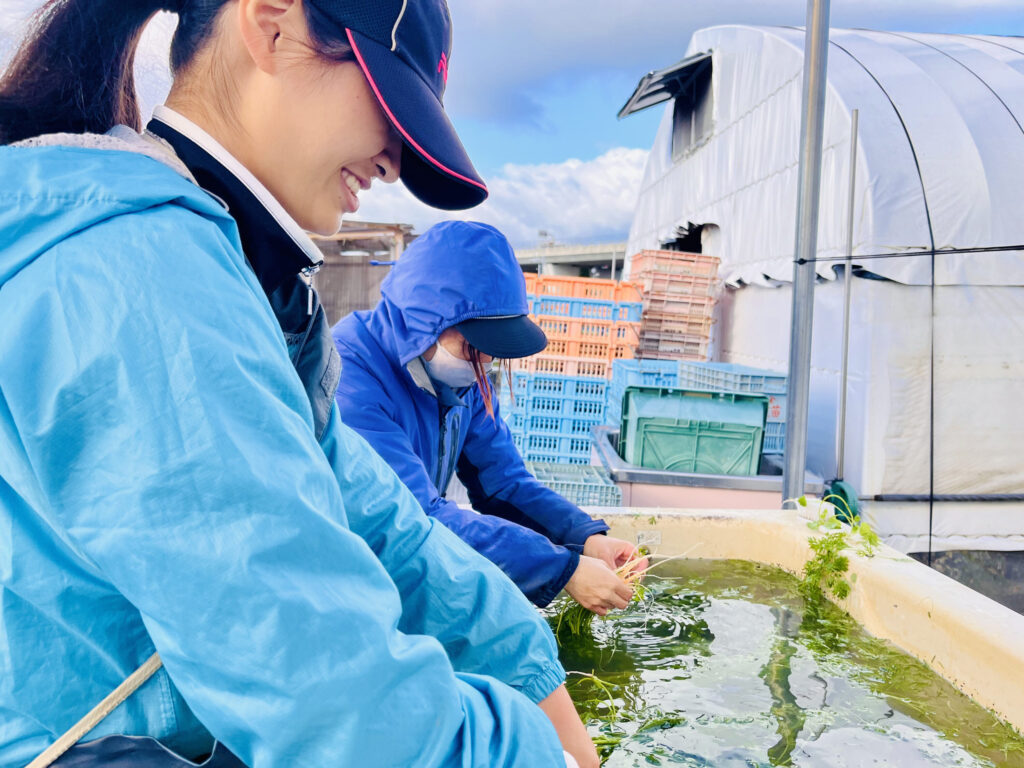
{"points": [[610, 730], [788, 714], [825, 573]]}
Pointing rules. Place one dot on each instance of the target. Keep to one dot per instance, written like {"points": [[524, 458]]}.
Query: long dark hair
{"points": [[73, 73]]}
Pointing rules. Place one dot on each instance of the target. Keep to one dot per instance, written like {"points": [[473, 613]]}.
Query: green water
{"points": [[725, 665]]}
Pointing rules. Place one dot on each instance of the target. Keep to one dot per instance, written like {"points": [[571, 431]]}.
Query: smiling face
{"points": [[308, 127], [327, 141]]}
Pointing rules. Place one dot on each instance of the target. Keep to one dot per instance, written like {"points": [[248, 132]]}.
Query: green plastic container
{"points": [[682, 430]]}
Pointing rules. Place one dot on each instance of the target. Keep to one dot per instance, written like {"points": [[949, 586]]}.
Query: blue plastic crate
{"points": [[548, 458], [562, 306], [774, 437], [563, 406], [628, 312], [557, 425], [594, 309], [637, 373], [583, 485], [729, 377], [568, 445], [552, 385]]}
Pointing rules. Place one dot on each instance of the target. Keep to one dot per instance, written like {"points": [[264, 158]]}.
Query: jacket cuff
{"points": [[553, 587], [579, 534], [544, 683]]}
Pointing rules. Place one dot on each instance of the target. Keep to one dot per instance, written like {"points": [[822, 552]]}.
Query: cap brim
{"points": [[435, 166], [504, 337]]}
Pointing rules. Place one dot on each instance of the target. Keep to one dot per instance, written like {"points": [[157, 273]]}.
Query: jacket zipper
{"points": [[442, 455], [308, 272]]}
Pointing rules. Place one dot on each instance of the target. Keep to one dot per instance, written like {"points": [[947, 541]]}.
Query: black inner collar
{"points": [[271, 252]]}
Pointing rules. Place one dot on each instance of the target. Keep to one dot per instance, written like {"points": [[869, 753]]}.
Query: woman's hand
{"points": [[571, 732], [597, 588], [615, 552]]}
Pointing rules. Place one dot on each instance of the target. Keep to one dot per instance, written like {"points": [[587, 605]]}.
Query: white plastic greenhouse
{"points": [[936, 390]]}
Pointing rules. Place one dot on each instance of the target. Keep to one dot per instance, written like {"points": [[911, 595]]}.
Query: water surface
{"points": [[725, 665]]}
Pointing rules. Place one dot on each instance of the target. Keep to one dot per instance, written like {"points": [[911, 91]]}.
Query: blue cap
{"points": [[403, 48]]}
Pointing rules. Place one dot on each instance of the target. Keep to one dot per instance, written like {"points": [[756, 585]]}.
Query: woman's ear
{"points": [[262, 24]]}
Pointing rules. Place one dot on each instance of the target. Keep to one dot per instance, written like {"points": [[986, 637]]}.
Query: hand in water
{"points": [[596, 587]]}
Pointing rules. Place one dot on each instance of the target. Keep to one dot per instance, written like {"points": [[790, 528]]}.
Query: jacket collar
{"points": [[444, 394], [274, 243]]}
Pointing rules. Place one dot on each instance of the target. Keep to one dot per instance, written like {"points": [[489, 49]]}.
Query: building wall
{"points": [[347, 283]]}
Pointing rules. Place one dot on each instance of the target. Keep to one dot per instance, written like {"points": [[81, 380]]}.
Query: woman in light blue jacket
{"points": [[173, 476]]}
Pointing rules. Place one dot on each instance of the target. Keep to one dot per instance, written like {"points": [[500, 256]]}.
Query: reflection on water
{"points": [[725, 665]]}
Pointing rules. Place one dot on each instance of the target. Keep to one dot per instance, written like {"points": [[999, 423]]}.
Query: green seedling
{"points": [[825, 573], [577, 620]]}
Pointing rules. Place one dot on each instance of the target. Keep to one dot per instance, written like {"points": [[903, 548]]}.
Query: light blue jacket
{"points": [[161, 488]]}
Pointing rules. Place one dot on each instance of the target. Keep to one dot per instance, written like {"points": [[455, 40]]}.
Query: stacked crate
{"points": [[679, 292], [560, 394]]}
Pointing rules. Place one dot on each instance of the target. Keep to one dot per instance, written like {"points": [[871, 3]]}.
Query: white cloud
{"points": [[576, 201]]}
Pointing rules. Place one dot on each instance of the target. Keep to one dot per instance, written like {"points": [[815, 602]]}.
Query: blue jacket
{"points": [[161, 488], [454, 272]]}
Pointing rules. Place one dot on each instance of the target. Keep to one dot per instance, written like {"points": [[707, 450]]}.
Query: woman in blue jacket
{"points": [[173, 476], [414, 385]]}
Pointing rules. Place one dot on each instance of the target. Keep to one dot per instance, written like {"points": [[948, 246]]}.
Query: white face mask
{"points": [[453, 371]]}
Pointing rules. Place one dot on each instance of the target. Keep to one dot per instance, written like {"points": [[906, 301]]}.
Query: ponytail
{"points": [[74, 73]]}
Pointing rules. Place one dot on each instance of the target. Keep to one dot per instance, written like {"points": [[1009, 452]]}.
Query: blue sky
{"points": [[563, 103], [534, 87]]}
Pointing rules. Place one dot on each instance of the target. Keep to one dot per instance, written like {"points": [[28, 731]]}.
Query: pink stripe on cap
{"points": [[394, 120]]}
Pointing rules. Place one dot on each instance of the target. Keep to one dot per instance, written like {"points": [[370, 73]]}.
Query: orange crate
{"points": [[583, 288], [575, 287], [680, 347], [662, 282], [623, 352], [531, 281], [586, 329], [660, 324], [676, 262], [673, 304], [563, 366], [628, 292], [592, 350], [695, 354]]}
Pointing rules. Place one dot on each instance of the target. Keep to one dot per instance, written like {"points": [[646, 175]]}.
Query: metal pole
{"points": [[811, 125], [847, 286], [613, 264]]}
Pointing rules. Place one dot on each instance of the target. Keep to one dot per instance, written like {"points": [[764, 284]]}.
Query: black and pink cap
{"points": [[403, 47]]}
